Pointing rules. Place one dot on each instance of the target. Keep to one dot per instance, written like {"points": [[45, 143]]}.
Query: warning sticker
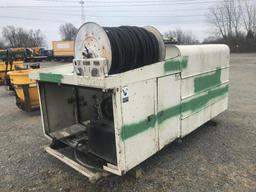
{"points": [[125, 95]]}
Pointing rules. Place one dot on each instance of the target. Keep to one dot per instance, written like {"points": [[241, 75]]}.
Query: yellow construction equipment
{"points": [[4, 68], [26, 90], [63, 50], [19, 64], [2, 75]]}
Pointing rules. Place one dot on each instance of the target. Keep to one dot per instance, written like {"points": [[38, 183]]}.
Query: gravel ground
{"points": [[213, 158]]}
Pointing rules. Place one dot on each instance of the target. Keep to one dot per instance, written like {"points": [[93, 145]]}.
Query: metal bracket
{"points": [[93, 176]]}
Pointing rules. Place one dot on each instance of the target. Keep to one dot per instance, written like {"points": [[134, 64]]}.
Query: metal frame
{"points": [[91, 175], [187, 65], [26, 104]]}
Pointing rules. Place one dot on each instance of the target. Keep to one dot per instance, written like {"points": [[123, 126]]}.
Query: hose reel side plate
{"points": [[93, 37], [160, 41]]}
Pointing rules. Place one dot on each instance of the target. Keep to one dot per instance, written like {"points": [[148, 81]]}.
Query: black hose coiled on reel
{"points": [[132, 47]]}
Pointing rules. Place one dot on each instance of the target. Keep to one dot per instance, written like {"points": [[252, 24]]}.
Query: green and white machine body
{"points": [[152, 105]]}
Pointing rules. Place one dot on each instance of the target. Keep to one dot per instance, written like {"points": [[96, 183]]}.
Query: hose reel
{"points": [[124, 48]]}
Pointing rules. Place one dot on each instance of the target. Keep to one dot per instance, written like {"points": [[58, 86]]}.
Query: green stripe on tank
{"points": [[194, 104], [50, 77], [198, 103], [184, 62], [130, 130], [171, 65], [207, 81], [135, 128], [175, 64], [168, 113]]}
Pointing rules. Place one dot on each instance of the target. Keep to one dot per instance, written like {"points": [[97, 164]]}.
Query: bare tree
{"points": [[235, 16], [68, 31], [37, 38], [9, 33], [234, 23], [181, 37], [249, 17], [19, 37], [2, 45], [225, 18]]}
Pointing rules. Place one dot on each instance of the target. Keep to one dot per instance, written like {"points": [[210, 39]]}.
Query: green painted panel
{"points": [[214, 93], [171, 65], [207, 81], [184, 62], [194, 104], [50, 77], [175, 64], [168, 113], [197, 103], [130, 130]]}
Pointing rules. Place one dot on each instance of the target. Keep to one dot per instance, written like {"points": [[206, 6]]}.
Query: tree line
{"points": [[13, 37], [234, 23], [19, 37]]}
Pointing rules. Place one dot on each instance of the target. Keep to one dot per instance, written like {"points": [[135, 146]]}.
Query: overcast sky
{"points": [[165, 15]]}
